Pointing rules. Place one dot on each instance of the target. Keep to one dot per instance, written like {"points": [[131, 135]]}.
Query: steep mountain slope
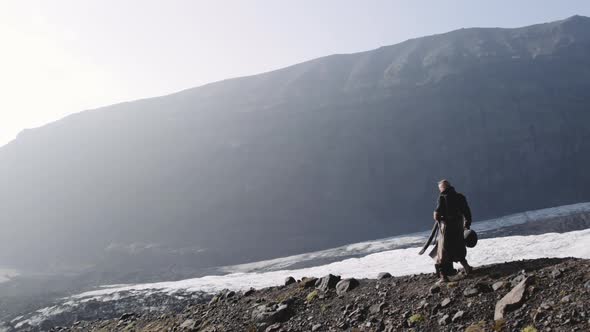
{"points": [[330, 151]]}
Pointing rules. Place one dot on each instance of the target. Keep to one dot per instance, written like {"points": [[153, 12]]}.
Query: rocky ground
{"points": [[533, 295]]}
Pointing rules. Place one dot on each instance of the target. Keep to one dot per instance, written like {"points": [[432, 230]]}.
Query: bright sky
{"points": [[60, 57]]}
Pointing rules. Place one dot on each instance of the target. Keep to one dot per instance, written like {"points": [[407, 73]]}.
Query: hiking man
{"points": [[453, 215]]}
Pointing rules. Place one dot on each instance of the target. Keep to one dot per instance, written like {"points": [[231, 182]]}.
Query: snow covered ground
{"points": [[403, 241], [397, 262]]}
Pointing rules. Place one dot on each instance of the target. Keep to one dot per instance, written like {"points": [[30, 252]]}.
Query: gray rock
{"points": [[470, 291], [446, 319], [435, 289], [189, 324], [384, 275], [289, 281], [249, 292], [445, 303], [270, 314], [346, 285], [498, 285], [458, 315], [127, 316], [566, 299], [556, 274], [512, 300], [273, 328], [308, 282], [516, 280], [316, 327], [587, 284], [328, 282], [377, 308], [229, 294]]}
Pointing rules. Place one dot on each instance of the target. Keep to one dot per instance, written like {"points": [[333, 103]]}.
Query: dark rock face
{"points": [[304, 150]]}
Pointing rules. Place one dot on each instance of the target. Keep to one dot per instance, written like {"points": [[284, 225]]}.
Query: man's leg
{"points": [[466, 266]]}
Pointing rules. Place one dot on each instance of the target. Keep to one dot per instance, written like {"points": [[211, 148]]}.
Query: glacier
{"points": [[397, 255], [397, 262]]}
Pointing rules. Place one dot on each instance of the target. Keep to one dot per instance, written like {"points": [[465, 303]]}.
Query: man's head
{"points": [[443, 184]]}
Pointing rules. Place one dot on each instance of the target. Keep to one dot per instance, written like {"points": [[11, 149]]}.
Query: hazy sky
{"points": [[59, 57]]}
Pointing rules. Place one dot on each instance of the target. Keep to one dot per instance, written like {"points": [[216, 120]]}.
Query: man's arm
{"points": [[466, 214], [437, 211]]}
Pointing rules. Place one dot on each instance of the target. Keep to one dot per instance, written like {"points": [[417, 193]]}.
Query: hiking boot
{"points": [[467, 268], [443, 279]]}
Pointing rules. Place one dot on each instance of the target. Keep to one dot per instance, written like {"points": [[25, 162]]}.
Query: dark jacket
{"points": [[457, 206], [453, 215]]}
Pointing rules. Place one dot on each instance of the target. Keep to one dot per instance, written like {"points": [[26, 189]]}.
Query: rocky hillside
{"points": [[534, 295], [331, 151]]}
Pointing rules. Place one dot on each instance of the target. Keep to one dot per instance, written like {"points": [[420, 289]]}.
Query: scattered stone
{"points": [[273, 328], [269, 314], [229, 294], [328, 282], [214, 300], [445, 303], [587, 284], [435, 289], [189, 324], [499, 285], [316, 327], [384, 275], [452, 284], [566, 299], [458, 315], [289, 281], [346, 285], [470, 291], [311, 296], [249, 292], [446, 319], [512, 300], [516, 280], [127, 316], [377, 308], [556, 274]]}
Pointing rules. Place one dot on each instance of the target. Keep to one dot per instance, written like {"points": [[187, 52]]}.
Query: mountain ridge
{"points": [[326, 152]]}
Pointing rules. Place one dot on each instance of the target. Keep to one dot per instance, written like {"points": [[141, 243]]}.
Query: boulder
{"points": [[249, 292], [328, 282], [512, 300], [307, 282], [265, 314], [346, 285], [384, 275], [289, 281]]}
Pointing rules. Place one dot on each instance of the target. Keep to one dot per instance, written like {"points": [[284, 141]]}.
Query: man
{"points": [[454, 216]]}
